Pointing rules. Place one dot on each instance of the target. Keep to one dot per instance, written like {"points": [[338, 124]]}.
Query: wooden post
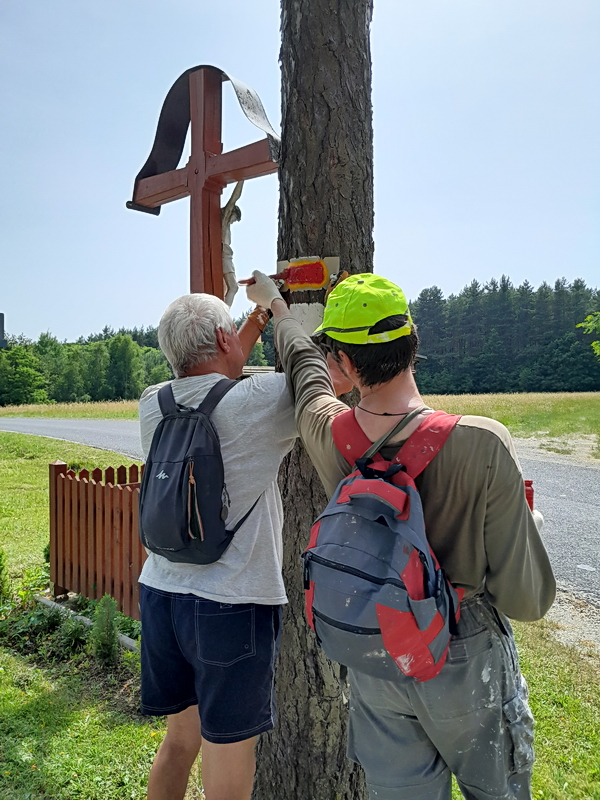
{"points": [[138, 557], [100, 567], [56, 468], [117, 543], [206, 267], [125, 597]]}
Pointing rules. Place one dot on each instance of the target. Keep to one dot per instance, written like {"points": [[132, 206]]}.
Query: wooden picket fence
{"points": [[94, 542]]}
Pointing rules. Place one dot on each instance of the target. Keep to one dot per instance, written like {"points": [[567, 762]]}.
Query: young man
{"points": [[473, 719], [211, 632]]}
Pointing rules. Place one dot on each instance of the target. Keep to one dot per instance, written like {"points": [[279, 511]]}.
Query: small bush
{"points": [[128, 626], [70, 638], [104, 636], [35, 581], [26, 629]]}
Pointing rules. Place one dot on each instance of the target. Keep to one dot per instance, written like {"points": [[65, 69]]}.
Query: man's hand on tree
{"points": [[263, 291]]}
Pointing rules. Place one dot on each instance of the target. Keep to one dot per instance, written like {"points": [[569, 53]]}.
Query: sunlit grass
{"points": [[565, 700], [24, 459], [556, 414], [116, 409], [64, 734], [59, 741]]}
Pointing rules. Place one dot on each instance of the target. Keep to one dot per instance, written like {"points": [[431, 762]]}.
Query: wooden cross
{"points": [[196, 99]]}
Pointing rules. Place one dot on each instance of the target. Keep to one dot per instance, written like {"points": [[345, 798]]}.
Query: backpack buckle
{"points": [[363, 465]]}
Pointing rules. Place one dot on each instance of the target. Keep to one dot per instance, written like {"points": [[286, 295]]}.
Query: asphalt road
{"points": [[569, 498], [117, 435], [567, 495]]}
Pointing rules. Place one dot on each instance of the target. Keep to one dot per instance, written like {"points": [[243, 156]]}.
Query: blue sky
{"points": [[487, 160]]}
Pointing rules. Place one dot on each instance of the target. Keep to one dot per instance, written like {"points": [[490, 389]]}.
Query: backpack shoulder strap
{"points": [[215, 395], [349, 437], [166, 400], [425, 443]]}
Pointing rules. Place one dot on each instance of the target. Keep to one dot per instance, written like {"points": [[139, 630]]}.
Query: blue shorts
{"points": [[220, 656]]}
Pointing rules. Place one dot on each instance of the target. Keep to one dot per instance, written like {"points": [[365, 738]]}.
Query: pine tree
{"points": [[325, 208], [104, 640]]}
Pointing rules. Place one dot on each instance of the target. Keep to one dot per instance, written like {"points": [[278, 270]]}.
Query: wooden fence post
{"points": [[56, 468]]}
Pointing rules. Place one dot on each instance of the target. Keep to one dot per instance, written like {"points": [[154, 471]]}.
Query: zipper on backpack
{"points": [[343, 626], [349, 570], [305, 573], [193, 510]]}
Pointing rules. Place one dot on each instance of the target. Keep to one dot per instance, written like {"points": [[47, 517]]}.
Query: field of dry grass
{"points": [[119, 409], [549, 414]]}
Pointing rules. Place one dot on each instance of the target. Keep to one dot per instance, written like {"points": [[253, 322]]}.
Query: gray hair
{"points": [[187, 332]]}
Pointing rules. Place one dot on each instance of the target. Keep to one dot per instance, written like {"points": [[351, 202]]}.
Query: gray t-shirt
{"points": [[255, 423]]}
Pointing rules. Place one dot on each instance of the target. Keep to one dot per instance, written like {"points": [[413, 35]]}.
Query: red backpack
{"points": [[376, 596]]}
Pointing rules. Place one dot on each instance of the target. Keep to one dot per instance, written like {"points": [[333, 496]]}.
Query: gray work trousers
{"points": [[472, 720]]}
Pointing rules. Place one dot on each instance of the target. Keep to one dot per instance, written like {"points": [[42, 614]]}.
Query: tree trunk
{"points": [[326, 209]]}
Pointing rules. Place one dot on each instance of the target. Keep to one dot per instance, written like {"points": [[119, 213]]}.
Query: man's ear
{"points": [[346, 365], [222, 341]]}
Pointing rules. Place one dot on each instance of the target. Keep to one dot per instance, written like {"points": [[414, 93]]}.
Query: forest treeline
{"points": [[489, 338], [500, 338], [111, 365]]}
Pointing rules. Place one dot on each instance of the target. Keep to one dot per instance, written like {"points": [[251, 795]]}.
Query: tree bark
{"points": [[326, 209]]}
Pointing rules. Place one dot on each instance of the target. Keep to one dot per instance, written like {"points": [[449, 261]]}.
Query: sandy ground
{"points": [[562, 450], [577, 624], [577, 621]]}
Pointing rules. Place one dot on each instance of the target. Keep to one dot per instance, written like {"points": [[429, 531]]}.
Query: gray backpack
{"points": [[184, 502]]}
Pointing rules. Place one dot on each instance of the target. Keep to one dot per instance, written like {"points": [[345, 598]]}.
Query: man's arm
{"points": [[251, 329], [310, 384], [519, 580]]}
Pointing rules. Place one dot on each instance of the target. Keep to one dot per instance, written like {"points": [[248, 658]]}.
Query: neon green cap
{"points": [[358, 303]]}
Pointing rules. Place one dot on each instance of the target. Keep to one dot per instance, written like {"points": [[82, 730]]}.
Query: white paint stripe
{"points": [[309, 315]]}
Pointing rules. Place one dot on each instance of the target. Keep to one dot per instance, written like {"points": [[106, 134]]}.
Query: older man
{"points": [[472, 719], [211, 632]]}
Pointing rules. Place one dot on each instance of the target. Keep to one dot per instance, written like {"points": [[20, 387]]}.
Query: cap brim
{"points": [[362, 336]]}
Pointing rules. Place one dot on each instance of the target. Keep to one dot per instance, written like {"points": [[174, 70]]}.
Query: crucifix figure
{"points": [[195, 98], [230, 213]]}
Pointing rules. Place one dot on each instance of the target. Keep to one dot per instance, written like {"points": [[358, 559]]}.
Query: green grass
{"points": [[61, 740], [24, 491], [559, 414], [63, 737], [565, 699], [119, 409]]}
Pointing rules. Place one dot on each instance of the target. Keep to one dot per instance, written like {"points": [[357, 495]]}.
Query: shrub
{"points": [[34, 581], [70, 638], [104, 637]]}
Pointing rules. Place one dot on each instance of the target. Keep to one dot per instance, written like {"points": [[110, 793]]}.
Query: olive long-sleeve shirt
{"points": [[477, 519]]}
